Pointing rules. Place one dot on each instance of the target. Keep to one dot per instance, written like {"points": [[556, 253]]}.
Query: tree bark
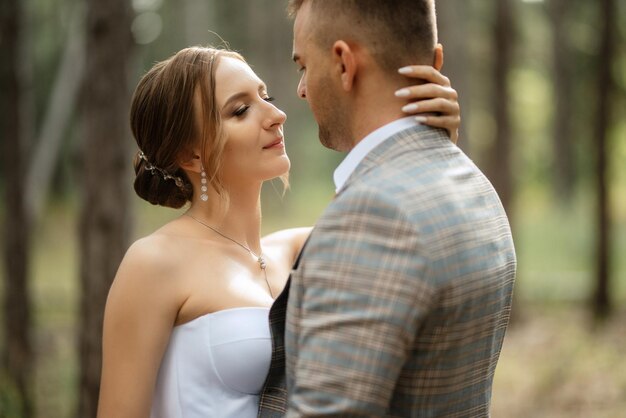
{"points": [[59, 112], [105, 213], [501, 171], [601, 299], [17, 358], [452, 24], [563, 150]]}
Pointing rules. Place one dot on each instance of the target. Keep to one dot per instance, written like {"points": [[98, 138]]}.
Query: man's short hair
{"points": [[396, 32]]}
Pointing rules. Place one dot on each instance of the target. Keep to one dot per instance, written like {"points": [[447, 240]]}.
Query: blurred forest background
{"points": [[543, 95]]}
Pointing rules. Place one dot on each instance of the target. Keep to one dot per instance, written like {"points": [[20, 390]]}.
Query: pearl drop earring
{"points": [[203, 186]]}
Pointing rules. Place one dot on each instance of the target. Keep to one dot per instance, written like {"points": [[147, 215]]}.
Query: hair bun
{"points": [[159, 187]]}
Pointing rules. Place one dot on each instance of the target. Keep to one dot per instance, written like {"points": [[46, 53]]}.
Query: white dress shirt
{"points": [[371, 141]]}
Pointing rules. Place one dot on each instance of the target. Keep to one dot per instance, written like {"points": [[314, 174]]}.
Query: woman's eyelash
{"points": [[240, 111]]}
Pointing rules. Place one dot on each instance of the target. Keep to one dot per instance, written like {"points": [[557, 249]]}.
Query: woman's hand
{"points": [[435, 96]]}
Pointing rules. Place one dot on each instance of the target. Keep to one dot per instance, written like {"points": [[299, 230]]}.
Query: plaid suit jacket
{"points": [[400, 302]]}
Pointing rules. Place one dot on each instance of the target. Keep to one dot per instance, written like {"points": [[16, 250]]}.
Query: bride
{"points": [[186, 323]]}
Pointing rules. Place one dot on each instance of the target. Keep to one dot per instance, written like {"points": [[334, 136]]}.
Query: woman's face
{"points": [[254, 150]]}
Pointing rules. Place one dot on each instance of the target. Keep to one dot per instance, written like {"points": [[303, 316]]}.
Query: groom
{"points": [[399, 301]]}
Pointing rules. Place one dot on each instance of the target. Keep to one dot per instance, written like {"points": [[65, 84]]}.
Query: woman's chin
{"points": [[279, 172], [282, 167]]}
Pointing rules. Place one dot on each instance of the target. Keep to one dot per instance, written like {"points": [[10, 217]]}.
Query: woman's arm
{"points": [[435, 96], [140, 313]]}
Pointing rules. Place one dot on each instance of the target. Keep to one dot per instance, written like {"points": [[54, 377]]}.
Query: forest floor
{"points": [[556, 363]]}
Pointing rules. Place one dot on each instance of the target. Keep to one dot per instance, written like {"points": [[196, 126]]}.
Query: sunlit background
{"points": [[543, 100]]}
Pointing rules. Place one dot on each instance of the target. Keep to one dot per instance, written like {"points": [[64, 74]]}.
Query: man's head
{"points": [[396, 32], [349, 52]]}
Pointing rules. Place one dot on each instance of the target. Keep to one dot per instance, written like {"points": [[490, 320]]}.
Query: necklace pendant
{"points": [[262, 263]]}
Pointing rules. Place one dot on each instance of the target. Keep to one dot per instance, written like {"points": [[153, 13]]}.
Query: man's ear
{"points": [[345, 59], [190, 161], [438, 61]]}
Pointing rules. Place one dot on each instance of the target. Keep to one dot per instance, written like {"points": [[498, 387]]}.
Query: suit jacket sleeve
{"points": [[355, 304]]}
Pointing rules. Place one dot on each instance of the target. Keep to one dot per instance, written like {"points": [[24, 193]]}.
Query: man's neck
{"points": [[374, 117], [375, 107]]}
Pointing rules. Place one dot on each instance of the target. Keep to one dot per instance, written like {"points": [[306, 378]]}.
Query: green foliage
{"points": [[550, 353], [554, 246], [10, 402]]}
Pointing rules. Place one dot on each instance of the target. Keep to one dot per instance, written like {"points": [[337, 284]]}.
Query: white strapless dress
{"points": [[215, 366]]}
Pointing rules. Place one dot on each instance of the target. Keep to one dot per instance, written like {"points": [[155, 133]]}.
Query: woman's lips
{"points": [[276, 144]]}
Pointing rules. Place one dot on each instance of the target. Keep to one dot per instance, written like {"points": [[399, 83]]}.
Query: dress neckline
{"points": [[226, 312]]}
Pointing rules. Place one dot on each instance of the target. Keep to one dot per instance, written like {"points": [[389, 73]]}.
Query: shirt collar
{"points": [[361, 149]]}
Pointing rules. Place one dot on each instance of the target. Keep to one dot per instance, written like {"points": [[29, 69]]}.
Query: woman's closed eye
{"points": [[241, 110]]}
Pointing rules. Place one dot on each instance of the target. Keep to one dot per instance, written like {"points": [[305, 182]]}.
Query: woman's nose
{"points": [[276, 117]]}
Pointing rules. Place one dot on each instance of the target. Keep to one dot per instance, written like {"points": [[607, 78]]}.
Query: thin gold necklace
{"points": [[259, 258]]}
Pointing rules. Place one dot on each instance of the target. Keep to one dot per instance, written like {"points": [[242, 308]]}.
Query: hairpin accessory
{"points": [[154, 169]]}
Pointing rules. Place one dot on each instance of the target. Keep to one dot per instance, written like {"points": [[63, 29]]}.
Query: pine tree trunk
{"points": [[105, 214], [452, 22], [563, 159], [60, 111], [499, 168], [17, 358], [601, 300], [501, 173]]}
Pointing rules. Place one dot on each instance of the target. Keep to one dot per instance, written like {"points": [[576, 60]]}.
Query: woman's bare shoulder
{"points": [[151, 262], [153, 252], [287, 236], [289, 240]]}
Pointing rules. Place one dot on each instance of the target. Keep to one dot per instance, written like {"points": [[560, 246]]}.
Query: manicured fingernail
{"points": [[405, 70], [421, 119], [403, 93], [412, 107]]}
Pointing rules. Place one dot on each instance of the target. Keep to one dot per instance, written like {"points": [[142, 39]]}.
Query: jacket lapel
{"points": [[273, 401]]}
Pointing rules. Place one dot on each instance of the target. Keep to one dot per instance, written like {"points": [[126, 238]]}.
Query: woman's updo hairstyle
{"points": [[164, 126]]}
